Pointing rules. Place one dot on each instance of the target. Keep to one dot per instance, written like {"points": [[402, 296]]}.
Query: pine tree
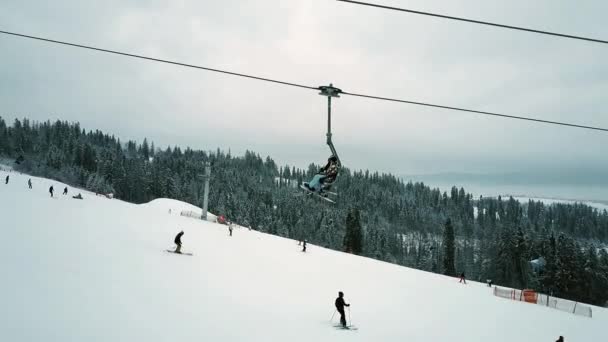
{"points": [[353, 239], [449, 249]]}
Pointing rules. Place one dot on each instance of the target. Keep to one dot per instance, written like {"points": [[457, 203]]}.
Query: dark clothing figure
{"points": [[79, 196], [178, 242], [340, 304], [326, 175], [304, 246], [29, 183], [560, 339], [462, 278], [489, 281], [230, 228], [51, 190], [6, 180], [65, 191]]}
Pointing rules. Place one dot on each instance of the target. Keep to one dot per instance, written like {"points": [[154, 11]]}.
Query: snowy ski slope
{"points": [[96, 270]]}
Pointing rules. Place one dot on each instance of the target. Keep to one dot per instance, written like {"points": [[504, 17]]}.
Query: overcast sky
{"points": [[316, 42]]}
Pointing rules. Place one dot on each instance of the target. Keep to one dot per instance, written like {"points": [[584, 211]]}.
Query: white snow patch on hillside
{"points": [[96, 270], [550, 201]]}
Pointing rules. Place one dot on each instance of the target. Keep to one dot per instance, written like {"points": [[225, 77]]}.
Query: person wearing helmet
{"points": [[326, 175], [178, 242], [340, 304]]}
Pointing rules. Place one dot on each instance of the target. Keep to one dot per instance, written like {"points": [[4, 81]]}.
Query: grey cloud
{"points": [[316, 42]]}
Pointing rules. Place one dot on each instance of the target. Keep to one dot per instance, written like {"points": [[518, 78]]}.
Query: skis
{"points": [[316, 194], [348, 327], [182, 253]]}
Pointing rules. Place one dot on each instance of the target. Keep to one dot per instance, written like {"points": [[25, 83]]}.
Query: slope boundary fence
{"points": [[533, 297]]}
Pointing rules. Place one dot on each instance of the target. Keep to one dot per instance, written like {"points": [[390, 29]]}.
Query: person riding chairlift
{"points": [[326, 175]]}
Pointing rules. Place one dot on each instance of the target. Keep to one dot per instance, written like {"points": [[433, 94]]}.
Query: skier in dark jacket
{"points": [[29, 183], [51, 190], [65, 191], [178, 242], [6, 180], [560, 339], [340, 304], [462, 278]]}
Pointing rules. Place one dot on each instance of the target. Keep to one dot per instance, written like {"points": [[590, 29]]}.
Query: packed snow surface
{"points": [[96, 270]]}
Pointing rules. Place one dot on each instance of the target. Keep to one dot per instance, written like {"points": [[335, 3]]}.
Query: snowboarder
{"points": [[462, 278], [29, 183], [230, 228], [6, 182], [51, 190], [560, 339], [340, 304], [326, 175], [178, 242], [304, 246], [65, 190]]}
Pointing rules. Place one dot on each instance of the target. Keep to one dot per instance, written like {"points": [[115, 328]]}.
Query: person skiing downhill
{"points": [[178, 242], [51, 190], [65, 191], [29, 183], [462, 278], [340, 304], [326, 175]]}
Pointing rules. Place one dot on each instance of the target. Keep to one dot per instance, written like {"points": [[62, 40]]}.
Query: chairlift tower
{"points": [[206, 178]]}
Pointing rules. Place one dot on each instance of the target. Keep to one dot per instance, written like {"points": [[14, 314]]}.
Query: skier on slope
{"points": [[327, 174], [51, 190], [462, 278], [178, 242], [6, 180], [29, 183], [340, 304], [65, 191]]}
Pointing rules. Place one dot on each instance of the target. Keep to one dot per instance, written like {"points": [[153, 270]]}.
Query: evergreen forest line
{"points": [[376, 215]]}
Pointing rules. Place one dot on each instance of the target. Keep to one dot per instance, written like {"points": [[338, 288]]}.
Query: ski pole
{"points": [[350, 321], [332, 316]]}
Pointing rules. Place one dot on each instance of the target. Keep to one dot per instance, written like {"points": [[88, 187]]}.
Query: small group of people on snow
{"points": [[339, 302]]}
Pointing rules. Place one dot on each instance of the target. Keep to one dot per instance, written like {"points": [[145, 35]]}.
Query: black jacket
{"points": [[340, 304], [178, 238]]}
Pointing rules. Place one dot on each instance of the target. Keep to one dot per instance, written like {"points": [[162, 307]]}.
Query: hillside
{"points": [[95, 270]]}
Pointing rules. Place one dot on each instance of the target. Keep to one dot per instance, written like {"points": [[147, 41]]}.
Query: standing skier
{"points": [[178, 242], [230, 228], [65, 190], [340, 304], [304, 246], [29, 183], [6, 180], [462, 278], [51, 190]]}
